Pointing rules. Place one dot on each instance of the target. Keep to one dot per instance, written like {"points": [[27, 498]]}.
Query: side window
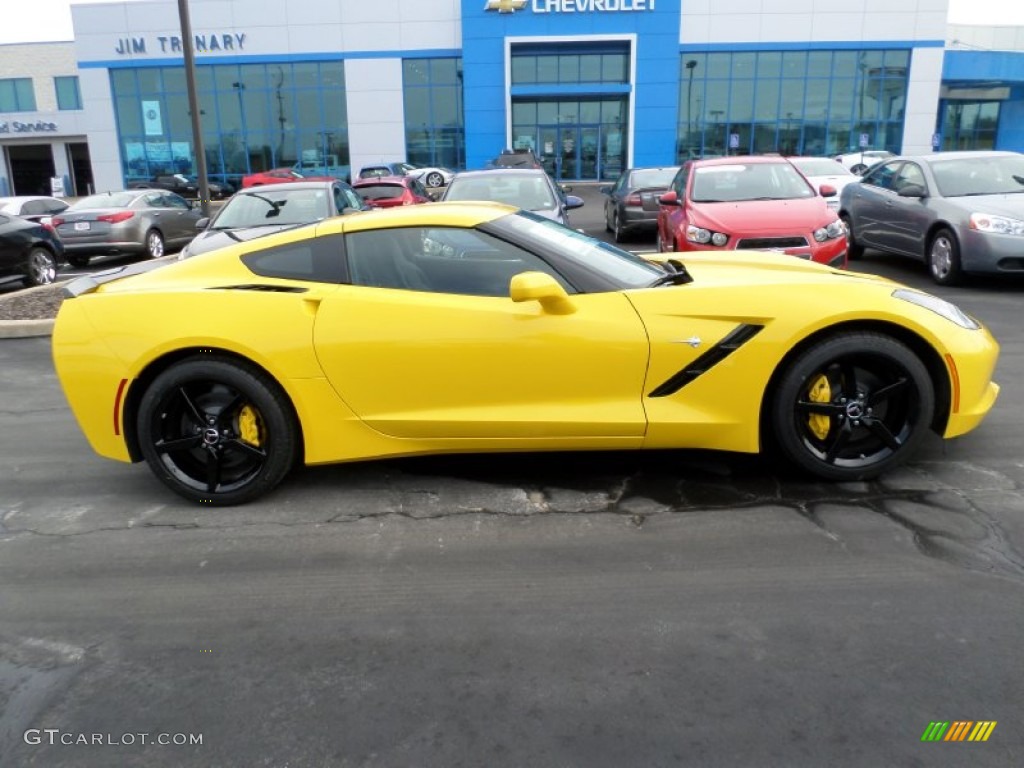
{"points": [[884, 175], [910, 174], [438, 259], [352, 200], [154, 200], [679, 183], [317, 259], [173, 201]]}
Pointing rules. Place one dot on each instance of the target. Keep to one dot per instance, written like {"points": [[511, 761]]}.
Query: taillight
{"points": [[114, 218], [56, 221], [633, 200]]}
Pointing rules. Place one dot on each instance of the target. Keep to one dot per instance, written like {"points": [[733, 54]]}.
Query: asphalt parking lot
{"points": [[611, 610]]}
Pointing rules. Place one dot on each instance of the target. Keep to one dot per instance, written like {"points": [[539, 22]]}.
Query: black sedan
{"points": [[258, 211], [631, 203], [29, 251]]}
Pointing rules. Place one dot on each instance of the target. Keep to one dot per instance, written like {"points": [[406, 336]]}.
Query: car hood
{"points": [[211, 239], [1011, 206], [763, 216]]}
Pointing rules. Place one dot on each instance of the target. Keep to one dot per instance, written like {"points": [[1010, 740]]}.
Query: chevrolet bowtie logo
{"points": [[505, 6]]}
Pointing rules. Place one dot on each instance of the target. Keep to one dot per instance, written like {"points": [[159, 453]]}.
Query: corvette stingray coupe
{"points": [[479, 327]]}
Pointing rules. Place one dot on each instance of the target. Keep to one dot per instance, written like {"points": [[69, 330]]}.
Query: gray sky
{"points": [[27, 21]]}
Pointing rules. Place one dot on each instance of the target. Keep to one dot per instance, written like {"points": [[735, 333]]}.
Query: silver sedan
{"points": [[143, 221], [959, 212]]}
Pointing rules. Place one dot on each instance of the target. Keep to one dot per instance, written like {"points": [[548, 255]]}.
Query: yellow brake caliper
{"points": [[249, 427], [820, 392]]}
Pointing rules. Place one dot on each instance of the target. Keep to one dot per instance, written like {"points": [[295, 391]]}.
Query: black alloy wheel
{"points": [[852, 406], [617, 229], [217, 431], [42, 267]]}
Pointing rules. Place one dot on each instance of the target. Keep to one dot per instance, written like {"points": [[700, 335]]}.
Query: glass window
{"points": [[68, 94], [524, 70], [317, 259], [17, 95], [434, 121]]}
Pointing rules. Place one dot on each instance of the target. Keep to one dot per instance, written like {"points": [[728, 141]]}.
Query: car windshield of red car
{"points": [[737, 182]]}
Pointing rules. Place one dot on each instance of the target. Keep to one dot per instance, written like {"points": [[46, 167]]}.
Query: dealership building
{"points": [[591, 86]]}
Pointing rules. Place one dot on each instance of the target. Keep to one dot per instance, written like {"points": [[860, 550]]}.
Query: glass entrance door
{"points": [[560, 152]]}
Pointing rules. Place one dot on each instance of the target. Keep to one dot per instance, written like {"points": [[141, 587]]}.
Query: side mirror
{"points": [[571, 201], [539, 286], [827, 190], [911, 190], [605, 190], [203, 223], [669, 198]]}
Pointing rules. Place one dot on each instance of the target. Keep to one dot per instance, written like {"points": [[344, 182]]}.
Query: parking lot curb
{"points": [[25, 329]]}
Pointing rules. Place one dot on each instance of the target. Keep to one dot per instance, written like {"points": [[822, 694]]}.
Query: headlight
{"points": [[941, 307], [1001, 225], [703, 236], [831, 232]]}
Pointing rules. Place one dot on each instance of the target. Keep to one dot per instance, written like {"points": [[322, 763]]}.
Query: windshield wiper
{"points": [[675, 274]]}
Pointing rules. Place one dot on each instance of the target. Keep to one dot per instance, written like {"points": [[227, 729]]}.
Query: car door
{"points": [[11, 244], [425, 342], [909, 217], [672, 218], [871, 206], [183, 219]]}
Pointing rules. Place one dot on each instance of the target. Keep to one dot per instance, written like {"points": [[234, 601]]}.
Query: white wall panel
{"points": [[376, 111], [922, 100]]}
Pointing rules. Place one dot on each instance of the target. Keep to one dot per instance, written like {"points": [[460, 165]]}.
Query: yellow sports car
{"points": [[468, 327]]}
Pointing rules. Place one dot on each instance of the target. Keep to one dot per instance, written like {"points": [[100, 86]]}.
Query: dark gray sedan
{"points": [[144, 221], [258, 211], [631, 203], [959, 212]]}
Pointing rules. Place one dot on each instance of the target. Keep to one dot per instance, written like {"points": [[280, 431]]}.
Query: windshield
{"points": [[287, 206], [529, 192], [737, 182], [380, 191], [819, 166], [992, 175], [619, 269], [109, 200], [652, 177]]}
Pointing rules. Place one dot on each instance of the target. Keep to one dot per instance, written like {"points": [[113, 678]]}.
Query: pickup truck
{"points": [[186, 186]]}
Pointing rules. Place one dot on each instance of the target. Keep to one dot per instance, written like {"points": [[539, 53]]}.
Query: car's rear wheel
{"points": [[154, 244], [42, 267], [852, 406], [617, 229], [434, 180], [217, 431], [853, 249], [944, 258]]}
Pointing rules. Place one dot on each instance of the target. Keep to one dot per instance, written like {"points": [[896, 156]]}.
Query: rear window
{"points": [[380, 191]]}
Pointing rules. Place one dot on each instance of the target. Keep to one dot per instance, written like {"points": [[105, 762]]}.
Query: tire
{"points": [[217, 431], [853, 249], [154, 243], [607, 220], [658, 242], [852, 406], [41, 267], [434, 180], [944, 258], [617, 230], [78, 261]]}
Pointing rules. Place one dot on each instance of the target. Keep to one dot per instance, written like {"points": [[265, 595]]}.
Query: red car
{"points": [[279, 176], [391, 191], [750, 203]]}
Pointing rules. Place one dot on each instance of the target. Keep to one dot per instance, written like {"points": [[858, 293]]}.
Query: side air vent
{"points": [[260, 287], [736, 339]]}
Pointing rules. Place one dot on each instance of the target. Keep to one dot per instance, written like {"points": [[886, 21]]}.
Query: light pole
{"points": [[691, 65], [193, 105]]}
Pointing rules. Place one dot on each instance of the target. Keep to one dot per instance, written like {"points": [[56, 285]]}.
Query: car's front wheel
{"points": [[154, 244], [434, 180], [853, 249], [852, 406], [944, 258], [42, 267], [217, 431]]}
